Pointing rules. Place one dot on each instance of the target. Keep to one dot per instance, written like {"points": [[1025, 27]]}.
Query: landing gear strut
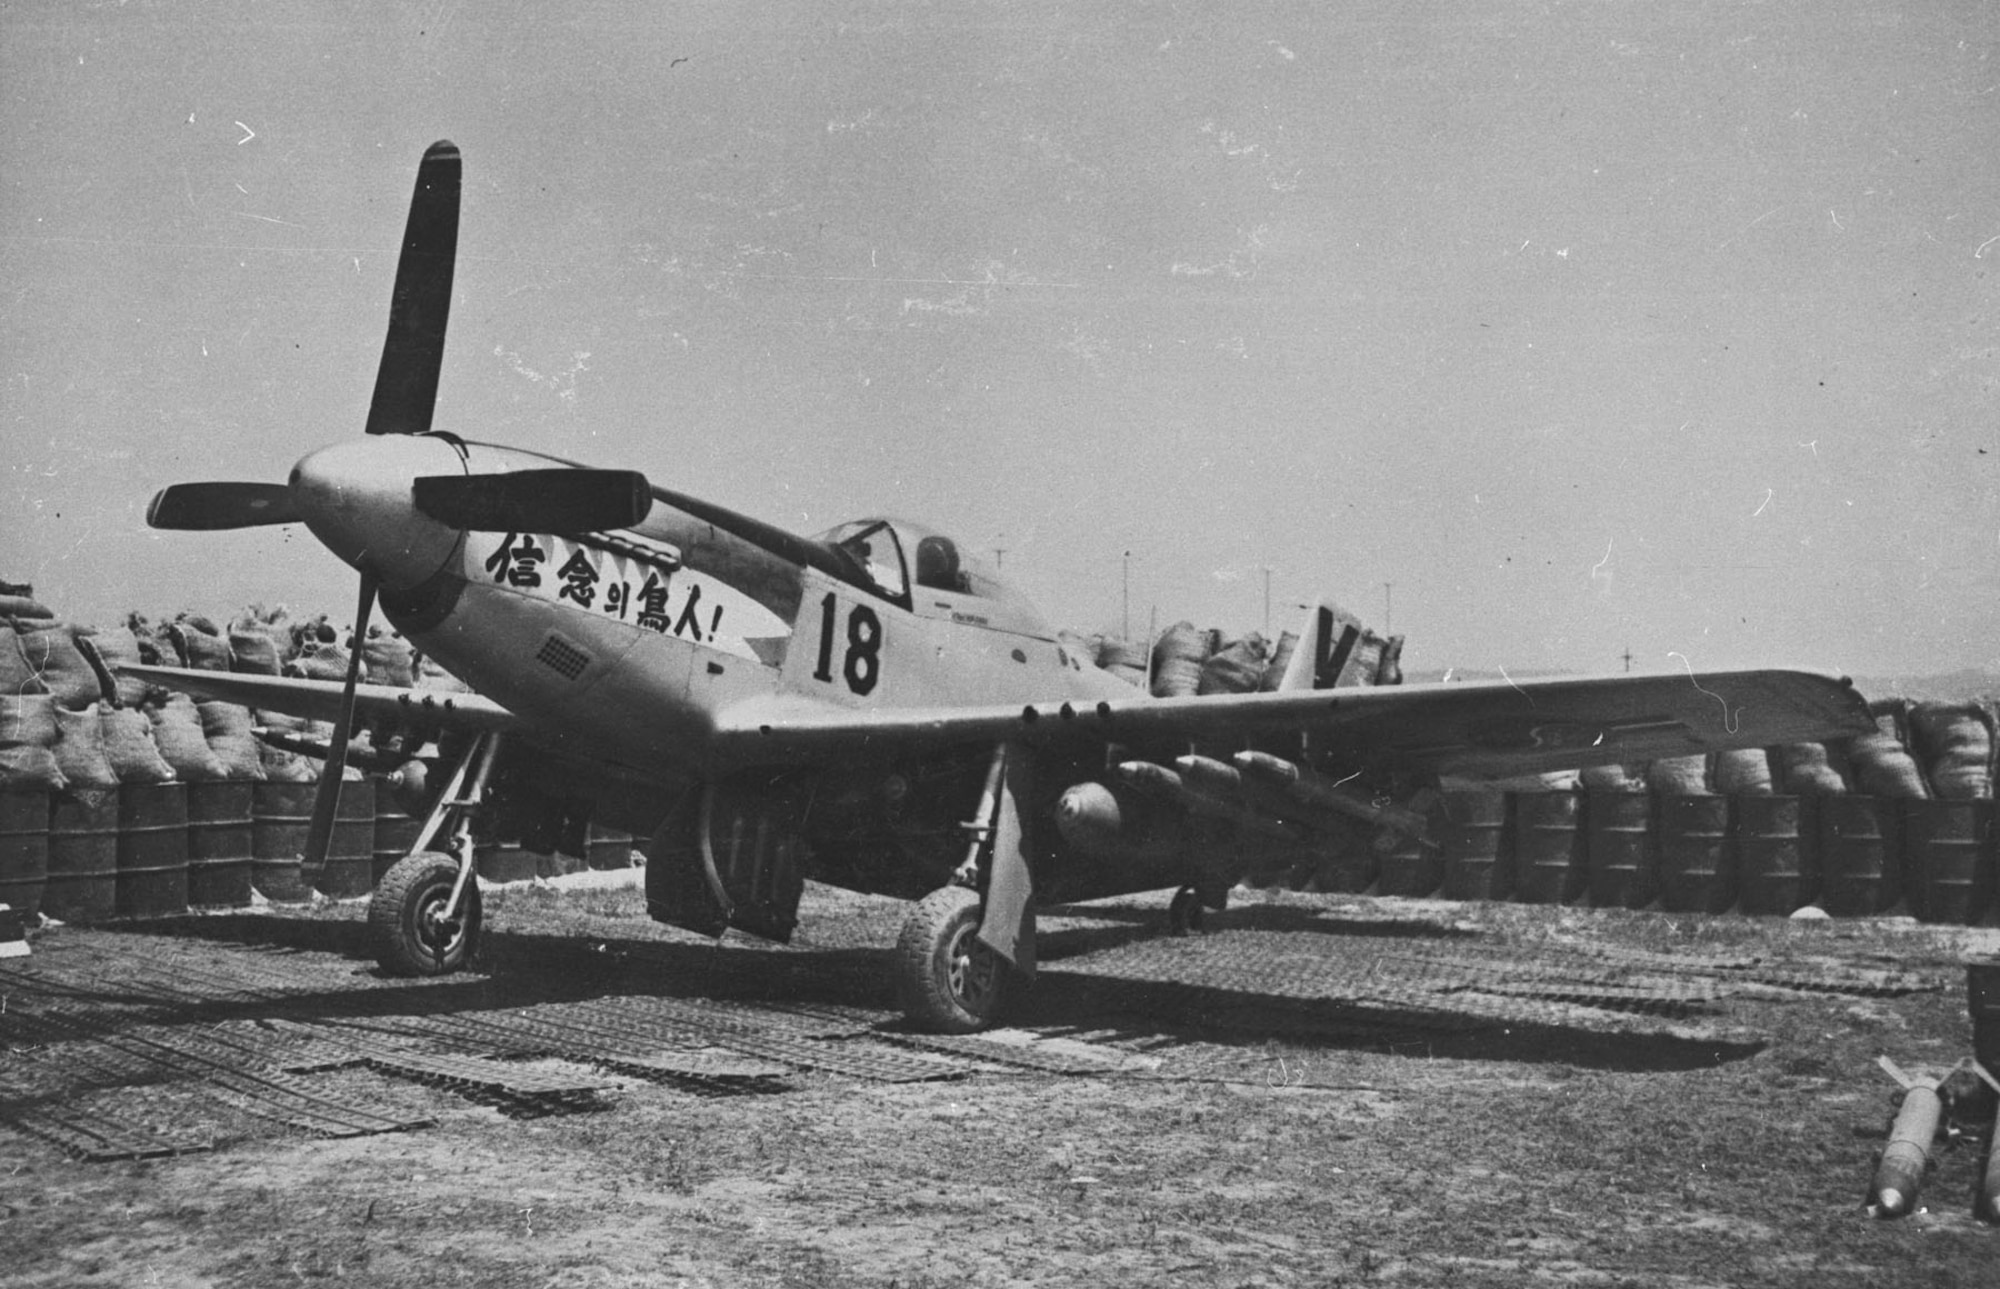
{"points": [[424, 918]]}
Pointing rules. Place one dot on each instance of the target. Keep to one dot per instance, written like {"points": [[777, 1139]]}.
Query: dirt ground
{"points": [[1268, 1103]]}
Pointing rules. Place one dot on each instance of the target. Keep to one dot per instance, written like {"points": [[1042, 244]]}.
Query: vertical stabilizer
{"points": [[1335, 650]]}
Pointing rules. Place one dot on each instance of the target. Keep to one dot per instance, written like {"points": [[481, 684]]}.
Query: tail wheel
{"points": [[1184, 913], [408, 920], [946, 980]]}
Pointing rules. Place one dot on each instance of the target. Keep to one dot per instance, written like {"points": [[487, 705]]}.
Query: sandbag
{"points": [[199, 649], [281, 765], [27, 736], [48, 652], [177, 731], [253, 651], [1883, 766], [24, 605], [1390, 670], [1609, 778], [1806, 770], [127, 736], [319, 661], [80, 749], [118, 646], [1955, 743], [227, 727], [1743, 772], [16, 676], [431, 675], [1177, 659], [1236, 667], [387, 660], [1679, 776], [322, 732]]}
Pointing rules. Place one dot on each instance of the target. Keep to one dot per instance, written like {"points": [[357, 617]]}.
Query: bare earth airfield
{"points": [[1317, 1090]]}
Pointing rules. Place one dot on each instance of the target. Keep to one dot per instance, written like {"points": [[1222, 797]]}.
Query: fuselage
{"points": [[627, 646]]}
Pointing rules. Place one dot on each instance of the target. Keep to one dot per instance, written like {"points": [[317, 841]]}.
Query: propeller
{"points": [[326, 799], [536, 501], [407, 381], [405, 398], [207, 507]]}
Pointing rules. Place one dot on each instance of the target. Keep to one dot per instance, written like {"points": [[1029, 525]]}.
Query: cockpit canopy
{"points": [[904, 562]]}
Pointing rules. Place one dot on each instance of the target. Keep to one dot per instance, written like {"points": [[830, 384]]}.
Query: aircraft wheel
{"points": [[406, 919], [1184, 914], [947, 981]]}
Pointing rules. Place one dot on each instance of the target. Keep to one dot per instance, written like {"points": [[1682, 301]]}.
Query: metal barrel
{"points": [[24, 850], [1948, 860], [1697, 854], [1901, 1170], [1860, 855], [1478, 865], [280, 815], [395, 832], [1982, 1001], [349, 869], [82, 884], [1549, 865], [152, 850], [1412, 867], [503, 861], [1774, 875], [607, 848], [219, 843], [1618, 845]]}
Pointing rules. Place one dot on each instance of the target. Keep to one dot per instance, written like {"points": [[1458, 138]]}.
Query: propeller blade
{"points": [[326, 801], [536, 501], [407, 381], [206, 507]]}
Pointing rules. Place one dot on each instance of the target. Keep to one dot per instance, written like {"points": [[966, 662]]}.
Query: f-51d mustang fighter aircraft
{"points": [[869, 707]]}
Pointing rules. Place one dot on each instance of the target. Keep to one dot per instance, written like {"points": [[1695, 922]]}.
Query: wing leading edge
{"points": [[320, 699], [1474, 730]]}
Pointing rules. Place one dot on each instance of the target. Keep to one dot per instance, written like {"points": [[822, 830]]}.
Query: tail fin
{"points": [[1335, 649]]}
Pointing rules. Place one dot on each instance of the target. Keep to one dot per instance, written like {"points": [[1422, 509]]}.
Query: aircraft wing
{"points": [[1474, 730], [320, 699]]}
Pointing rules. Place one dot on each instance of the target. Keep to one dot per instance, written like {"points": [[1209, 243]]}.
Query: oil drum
{"points": [[1548, 848], [1697, 854], [219, 843], [395, 832], [1948, 860], [1774, 875], [1860, 855], [607, 848], [1618, 847], [1413, 867], [82, 883], [152, 850], [280, 816], [24, 850], [1477, 863], [349, 869]]}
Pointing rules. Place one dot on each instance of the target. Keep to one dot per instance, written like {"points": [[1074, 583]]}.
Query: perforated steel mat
{"points": [[126, 1044]]}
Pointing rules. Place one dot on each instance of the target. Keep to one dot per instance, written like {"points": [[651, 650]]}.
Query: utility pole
{"points": [[1628, 658], [1126, 633], [1388, 607], [999, 556], [1267, 599]]}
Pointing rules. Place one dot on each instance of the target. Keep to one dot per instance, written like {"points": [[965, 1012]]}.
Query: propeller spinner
{"points": [[393, 505]]}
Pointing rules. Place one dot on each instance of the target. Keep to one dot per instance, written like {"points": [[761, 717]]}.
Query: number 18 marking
{"points": [[863, 666]]}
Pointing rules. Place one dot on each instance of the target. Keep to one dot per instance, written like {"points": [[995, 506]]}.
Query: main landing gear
{"points": [[424, 919], [947, 982]]}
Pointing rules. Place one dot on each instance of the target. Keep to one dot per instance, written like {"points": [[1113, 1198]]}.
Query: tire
{"points": [[403, 923], [946, 981], [1184, 913]]}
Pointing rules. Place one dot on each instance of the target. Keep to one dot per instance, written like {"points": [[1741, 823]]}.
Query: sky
{"points": [[1539, 334]]}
